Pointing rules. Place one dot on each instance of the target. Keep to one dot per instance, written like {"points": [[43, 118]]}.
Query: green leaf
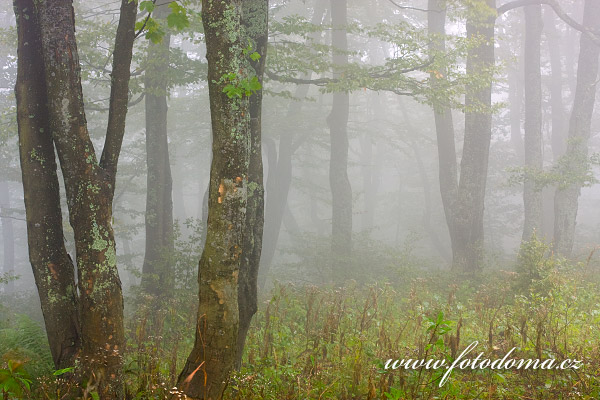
{"points": [[59, 372], [255, 56], [178, 18], [147, 6]]}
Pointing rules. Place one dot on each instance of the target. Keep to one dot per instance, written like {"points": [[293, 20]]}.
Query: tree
{"points": [[532, 195], [256, 22], [464, 197], [566, 198], [8, 234], [341, 191], [52, 266], [89, 183], [280, 168], [227, 268], [156, 278]]}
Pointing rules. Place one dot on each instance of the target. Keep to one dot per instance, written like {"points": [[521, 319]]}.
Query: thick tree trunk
{"points": [[206, 372], [256, 21], [468, 246], [8, 235], [157, 280], [532, 196], [280, 172], [52, 267], [566, 198], [341, 191], [90, 185]]}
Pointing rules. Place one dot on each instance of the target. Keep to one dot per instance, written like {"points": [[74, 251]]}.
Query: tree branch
{"points": [[327, 81], [412, 8], [593, 36]]}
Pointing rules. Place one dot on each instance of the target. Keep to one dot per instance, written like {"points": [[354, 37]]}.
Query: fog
{"points": [[404, 98]]}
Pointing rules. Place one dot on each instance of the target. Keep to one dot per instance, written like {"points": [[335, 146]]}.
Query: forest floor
{"points": [[310, 342]]}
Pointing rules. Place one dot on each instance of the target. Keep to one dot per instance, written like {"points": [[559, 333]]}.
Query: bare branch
{"points": [[593, 36], [412, 8]]}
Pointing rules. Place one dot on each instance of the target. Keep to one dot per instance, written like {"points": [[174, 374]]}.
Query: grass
{"points": [[325, 342]]}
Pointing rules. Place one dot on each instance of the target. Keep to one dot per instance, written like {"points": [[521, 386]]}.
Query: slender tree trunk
{"points": [[566, 198], [90, 185], [206, 372], [8, 235], [280, 173], [341, 191], [515, 98], [559, 126], [559, 114], [468, 248], [448, 169], [156, 277], [256, 22], [532, 196], [52, 267]]}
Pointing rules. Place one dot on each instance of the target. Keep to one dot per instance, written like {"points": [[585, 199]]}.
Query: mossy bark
{"points": [[52, 267], [206, 372], [89, 185], [156, 278], [256, 21]]}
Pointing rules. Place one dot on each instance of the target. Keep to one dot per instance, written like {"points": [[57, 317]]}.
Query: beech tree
{"points": [[86, 323], [156, 278], [236, 34], [566, 198], [341, 191], [464, 196], [532, 194]]}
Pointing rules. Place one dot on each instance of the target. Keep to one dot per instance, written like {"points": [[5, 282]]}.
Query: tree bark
{"points": [[341, 191], [532, 196], [206, 372], [157, 280], [256, 22], [52, 266], [566, 199], [90, 185], [468, 247]]}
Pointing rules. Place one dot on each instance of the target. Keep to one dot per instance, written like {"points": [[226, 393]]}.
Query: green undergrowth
{"points": [[330, 342]]}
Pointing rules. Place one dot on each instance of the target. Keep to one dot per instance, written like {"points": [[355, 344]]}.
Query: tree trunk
{"points": [[515, 98], [256, 22], [280, 173], [206, 372], [559, 115], [444, 124], [566, 198], [90, 185], [8, 235], [52, 266], [532, 196], [468, 246], [157, 280], [341, 191]]}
